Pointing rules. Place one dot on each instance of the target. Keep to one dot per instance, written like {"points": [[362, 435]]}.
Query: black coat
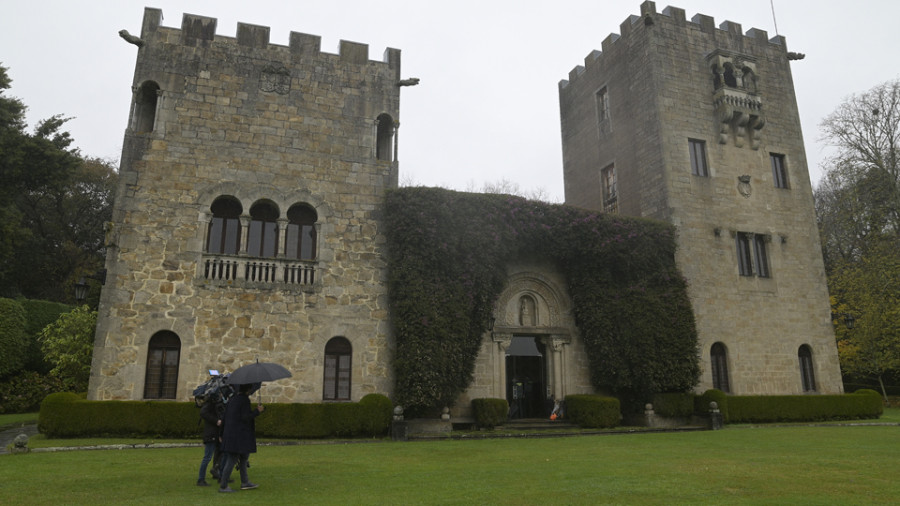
{"points": [[210, 418], [240, 426]]}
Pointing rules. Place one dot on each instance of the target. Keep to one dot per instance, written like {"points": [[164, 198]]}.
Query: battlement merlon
{"points": [[200, 30], [650, 16]]}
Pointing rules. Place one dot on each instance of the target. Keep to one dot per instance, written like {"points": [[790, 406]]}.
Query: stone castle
{"points": [[247, 218]]}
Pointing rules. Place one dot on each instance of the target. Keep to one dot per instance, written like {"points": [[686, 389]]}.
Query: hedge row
{"points": [[490, 412], [863, 404], [593, 411], [69, 415]]}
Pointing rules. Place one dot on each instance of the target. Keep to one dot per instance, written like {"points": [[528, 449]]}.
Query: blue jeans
{"points": [[208, 450]]}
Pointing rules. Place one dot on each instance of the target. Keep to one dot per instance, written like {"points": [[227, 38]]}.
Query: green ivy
{"points": [[447, 255]]}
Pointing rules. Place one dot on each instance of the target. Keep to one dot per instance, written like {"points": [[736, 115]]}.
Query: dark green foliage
{"points": [[803, 408], [490, 413], [39, 314], [69, 415], [701, 402], [447, 253], [375, 413], [674, 405], [13, 342], [593, 411], [24, 391]]}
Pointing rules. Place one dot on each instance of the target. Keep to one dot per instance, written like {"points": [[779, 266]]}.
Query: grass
{"points": [[748, 465]]}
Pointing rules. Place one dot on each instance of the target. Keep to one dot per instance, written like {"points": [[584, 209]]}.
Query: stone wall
{"points": [[660, 76], [257, 122]]}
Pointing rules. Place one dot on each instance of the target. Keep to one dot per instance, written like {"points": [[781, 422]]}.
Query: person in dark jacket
{"points": [[211, 426], [239, 437]]}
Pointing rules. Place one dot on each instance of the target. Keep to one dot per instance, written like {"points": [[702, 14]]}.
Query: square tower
{"points": [[247, 219], [681, 121]]}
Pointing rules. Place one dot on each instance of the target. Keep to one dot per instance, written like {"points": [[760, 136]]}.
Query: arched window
{"points": [[730, 79], [263, 238], [336, 386], [224, 235], [143, 118], [384, 143], [163, 353], [807, 375], [300, 242], [718, 359]]}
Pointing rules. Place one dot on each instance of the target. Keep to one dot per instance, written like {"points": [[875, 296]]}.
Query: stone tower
{"points": [[681, 121], [246, 223]]}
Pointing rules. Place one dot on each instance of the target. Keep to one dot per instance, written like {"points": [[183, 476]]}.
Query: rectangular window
{"points": [[779, 173], [698, 158], [610, 193], [745, 265], [602, 105], [762, 259]]}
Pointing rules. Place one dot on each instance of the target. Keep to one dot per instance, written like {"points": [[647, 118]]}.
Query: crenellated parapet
{"points": [[200, 31], [728, 32]]}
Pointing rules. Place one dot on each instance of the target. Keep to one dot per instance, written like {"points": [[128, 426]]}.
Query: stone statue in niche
{"points": [[527, 312]]}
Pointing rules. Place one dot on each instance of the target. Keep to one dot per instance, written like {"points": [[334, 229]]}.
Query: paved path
{"points": [[7, 436]]}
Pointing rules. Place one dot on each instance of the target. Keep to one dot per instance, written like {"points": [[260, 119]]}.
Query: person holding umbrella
{"points": [[239, 437]]}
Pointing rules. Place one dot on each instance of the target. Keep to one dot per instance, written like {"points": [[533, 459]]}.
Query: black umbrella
{"points": [[257, 372]]}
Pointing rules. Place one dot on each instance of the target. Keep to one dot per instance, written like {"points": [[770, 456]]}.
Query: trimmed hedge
{"points": [[69, 415], [13, 339], [804, 408], [593, 411], [701, 403], [674, 405], [490, 412]]}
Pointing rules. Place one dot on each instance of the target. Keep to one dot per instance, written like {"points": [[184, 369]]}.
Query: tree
{"points": [[68, 344], [53, 204]]}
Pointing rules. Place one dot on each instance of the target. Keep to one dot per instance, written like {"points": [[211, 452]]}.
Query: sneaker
{"points": [[248, 486], [202, 483], [226, 489]]}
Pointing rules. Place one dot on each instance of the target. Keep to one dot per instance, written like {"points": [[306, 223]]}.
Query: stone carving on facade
{"points": [[744, 186], [275, 79], [131, 39], [738, 106]]}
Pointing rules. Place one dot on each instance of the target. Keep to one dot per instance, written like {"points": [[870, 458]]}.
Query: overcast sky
{"points": [[487, 108]]}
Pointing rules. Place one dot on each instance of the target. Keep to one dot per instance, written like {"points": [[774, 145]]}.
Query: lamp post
{"points": [[81, 290]]}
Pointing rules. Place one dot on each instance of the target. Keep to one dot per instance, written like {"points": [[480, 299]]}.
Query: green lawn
{"points": [[768, 465]]}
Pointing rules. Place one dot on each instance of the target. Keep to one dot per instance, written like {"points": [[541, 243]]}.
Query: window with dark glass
{"points": [[602, 104], [161, 378], [745, 261], [699, 166], [224, 235], [144, 113], [263, 232], [762, 259], [807, 375], [336, 386], [384, 146], [610, 194], [300, 242], [779, 174], [718, 358]]}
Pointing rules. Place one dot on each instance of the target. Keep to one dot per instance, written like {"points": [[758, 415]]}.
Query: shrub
{"points": [[674, 405], [24, 392], [68, 344], [803, 408], [490, 413], [593, 411], [375, 412], [701, 403], [39, 314], [12, 337]]}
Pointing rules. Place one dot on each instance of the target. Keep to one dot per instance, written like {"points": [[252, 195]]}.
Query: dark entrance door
{"points": [[525, 382]]}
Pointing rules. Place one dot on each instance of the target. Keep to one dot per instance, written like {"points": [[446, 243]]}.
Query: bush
{"points": [[375, 413], [24, 392], [593, 411], [804, 408], [39, 314], [490, 413], [701, 403], [12, 337], [674, 405]]}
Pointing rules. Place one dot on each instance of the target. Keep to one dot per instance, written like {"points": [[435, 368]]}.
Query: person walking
{"points": [[239, 437], [211, 428]]}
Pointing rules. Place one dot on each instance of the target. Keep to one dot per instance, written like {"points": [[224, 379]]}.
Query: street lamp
{"points": [[849, 320], [81, 290]]}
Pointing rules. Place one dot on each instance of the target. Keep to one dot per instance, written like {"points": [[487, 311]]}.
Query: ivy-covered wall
{"points": [[447, 253]]}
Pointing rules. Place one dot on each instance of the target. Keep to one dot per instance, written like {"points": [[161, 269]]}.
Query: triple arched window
{"points": [[261, 232]]}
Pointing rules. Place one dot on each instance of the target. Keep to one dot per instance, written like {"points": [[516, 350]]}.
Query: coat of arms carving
{"points": [[275, 79]]}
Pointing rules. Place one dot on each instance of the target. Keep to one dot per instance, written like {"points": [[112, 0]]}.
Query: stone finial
{"points": [[398, 413], [445, 414], [20, 444]]}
